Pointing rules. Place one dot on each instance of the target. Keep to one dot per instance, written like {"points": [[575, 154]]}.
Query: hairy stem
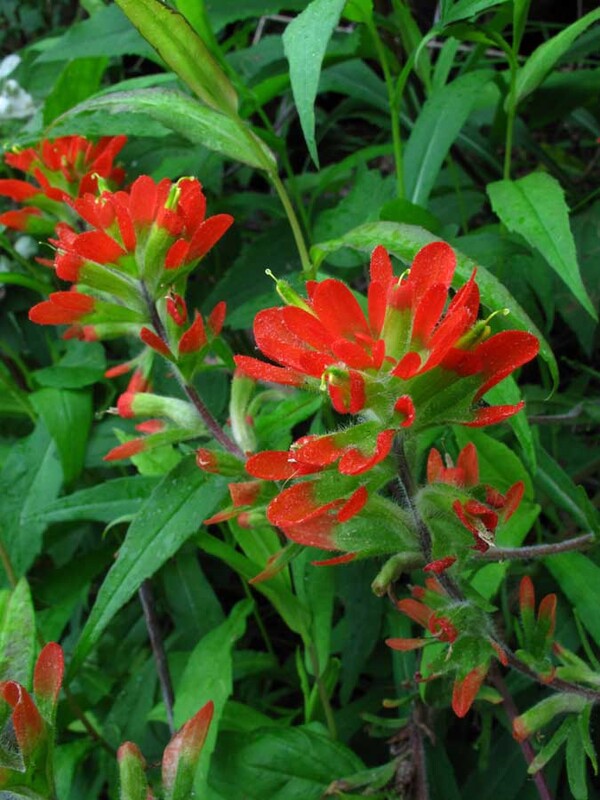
{"points": [[146, 596], [207, 418], [526, 746], [537, 550]]}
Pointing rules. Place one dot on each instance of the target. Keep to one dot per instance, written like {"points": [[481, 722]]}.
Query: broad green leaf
{"points": [[67, 414], [305, 42], [185, 116], [183, 50], [208, 675], [127, 718], [315, 590], [30, 480], [17, 636], [466, 9], [104, 502], [440, 772], [579, 579], [82, 365], [193, 605], [79, 80], [278, 763], [543, 59], [404, 242], [168, 518], [285, 602], [559, 486], [535, 208], [107, 33], [445, 112]]}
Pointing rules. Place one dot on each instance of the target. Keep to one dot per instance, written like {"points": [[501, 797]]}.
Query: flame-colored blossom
{"points": [[62, 169], [413, 342], [481, 507]]}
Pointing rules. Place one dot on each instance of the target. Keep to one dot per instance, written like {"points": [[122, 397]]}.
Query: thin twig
{"points": [[418, 754], [526, 746], [567, 416], [537, 550], [8, 567], [557, 684], [158, 650]]}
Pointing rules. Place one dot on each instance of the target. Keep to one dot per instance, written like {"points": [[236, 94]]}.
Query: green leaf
{"points": [[68, 416], [466, 9], [185, 116], [208, 676], [576, 765], [82, 365], [183, 50], [436, 129], [579, 579], [404, 242], [168, 518], [17, 636], [543, 59], [79, 80], [305, 42], [554, 481], [507, 392], [30, 480], [535, 208], [280, 764], [102, 503], [107, 33], [551, 747], [520, 11]]}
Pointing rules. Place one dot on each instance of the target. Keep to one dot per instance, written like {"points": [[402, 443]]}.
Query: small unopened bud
{"points": [[132, 776], [289, 295]]}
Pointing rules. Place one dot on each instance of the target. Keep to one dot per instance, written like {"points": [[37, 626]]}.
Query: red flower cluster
{"points": [[63, 170], [415, 356], [313, 511], [468, 655], [479, 517]]}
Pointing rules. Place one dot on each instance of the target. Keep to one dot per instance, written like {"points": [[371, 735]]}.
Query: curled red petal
{"points": [[155, 342], [126, 450], [262, 371], [354, 505], [405, 645], [493, 415]]}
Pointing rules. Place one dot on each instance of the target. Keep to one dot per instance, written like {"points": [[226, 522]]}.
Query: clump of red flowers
{"points": [[417, 357]]}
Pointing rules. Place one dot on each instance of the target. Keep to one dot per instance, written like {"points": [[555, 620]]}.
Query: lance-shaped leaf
{"points": [[176, 112], [183, 50], [535, 208], [543, 59], [304, 42]]}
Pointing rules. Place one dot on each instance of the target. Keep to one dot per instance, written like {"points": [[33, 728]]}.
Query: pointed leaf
{"points": [[17, 636], [543, 59], [168, 518], [437, 127], [535, 208], [304, 42], [183, 50], [177, 112]]}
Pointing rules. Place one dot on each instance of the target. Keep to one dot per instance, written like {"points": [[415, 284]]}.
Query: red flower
{"points": [[63, 169], [165, 221], [376, 359], [63, 308], [481, 514]]}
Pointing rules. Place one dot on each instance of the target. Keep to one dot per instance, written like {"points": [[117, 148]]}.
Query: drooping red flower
{"points": [[413, 344], [62, 169]]}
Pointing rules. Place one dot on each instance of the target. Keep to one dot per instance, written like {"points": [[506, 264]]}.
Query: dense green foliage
{"points": [[325, 129]]}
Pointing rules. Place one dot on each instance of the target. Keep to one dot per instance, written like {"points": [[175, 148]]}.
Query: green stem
{"points": [[26, 282], [511, 113], [394, 101], [308, 267], [329, 718]]}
